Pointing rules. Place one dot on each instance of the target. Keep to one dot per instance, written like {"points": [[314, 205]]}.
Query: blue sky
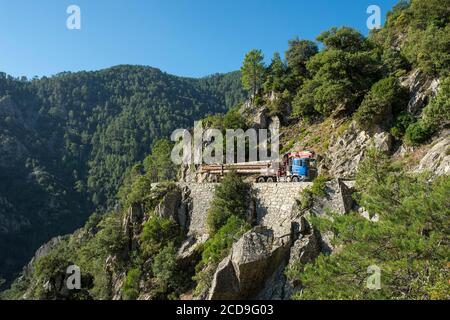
{"points": [[187, 38]]}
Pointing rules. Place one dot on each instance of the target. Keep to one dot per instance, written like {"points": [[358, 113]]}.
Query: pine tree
{"points": [[276, 74], [253, 71]]}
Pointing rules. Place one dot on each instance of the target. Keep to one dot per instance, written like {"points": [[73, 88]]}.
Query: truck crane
{"points": [[293, 167]]}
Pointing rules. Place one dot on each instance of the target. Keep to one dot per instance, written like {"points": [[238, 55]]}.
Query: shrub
{"points": [[434, 116], [303, 103], [110, 239], [401, 123], [93, 221], [158, 165], [231, 198], [234, 120], [158, 232], [317, 189], [429, 50], [164, 267], [385, 98], [319, 185], [131, 284], [437, 112], [140, 188], [217, 248], [418, 133]]}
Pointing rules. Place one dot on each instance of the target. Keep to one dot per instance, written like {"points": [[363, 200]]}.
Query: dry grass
{"points": [[316, 136]]}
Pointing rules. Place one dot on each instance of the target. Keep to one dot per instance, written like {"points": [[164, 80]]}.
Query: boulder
{"points": [[254, 258], [437, 159], [306, 248], [383, 141], [225, 284], [337, 199]]}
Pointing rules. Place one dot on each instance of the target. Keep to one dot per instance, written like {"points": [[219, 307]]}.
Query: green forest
{"points": [[68, 140]]}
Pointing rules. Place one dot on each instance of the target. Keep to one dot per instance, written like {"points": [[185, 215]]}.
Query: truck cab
{"points": [[300, 166]]}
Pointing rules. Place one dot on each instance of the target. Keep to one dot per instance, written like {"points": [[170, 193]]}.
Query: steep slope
{"points": [[66, 141]]}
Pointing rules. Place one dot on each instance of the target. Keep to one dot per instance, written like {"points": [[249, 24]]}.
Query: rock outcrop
{"points": [[337, 199], [346, 151], [253, 259], [421, 88], [437, 159]]}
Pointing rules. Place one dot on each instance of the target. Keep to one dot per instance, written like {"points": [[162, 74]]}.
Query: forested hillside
{"points": [[376, 111], [67, 140]]}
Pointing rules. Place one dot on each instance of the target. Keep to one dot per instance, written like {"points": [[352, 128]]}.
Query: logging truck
{"points": [[293, 167]]}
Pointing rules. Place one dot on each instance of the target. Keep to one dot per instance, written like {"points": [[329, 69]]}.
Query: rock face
{"points": [[306, 248], [168, 207], [437, 159], [255, 266], [347, 151], [338, 198], [132, 223], [253, 259], [421, 88]]}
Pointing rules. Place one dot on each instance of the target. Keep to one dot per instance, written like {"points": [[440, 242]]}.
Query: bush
{"points": [[386, 97], [303, 103], [158, 165], [93, 221], [437, 112], [401, 123], [158, 232], [140, 188], [110, 239], [434, 116], [231, 198], [340, 76], [131, 284], [317, 189], [418, 133], [429, 50], [234, 120], [218, 246], [164, 267]]}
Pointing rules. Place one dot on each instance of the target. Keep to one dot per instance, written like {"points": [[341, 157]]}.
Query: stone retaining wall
{"points": [[274, 203]]}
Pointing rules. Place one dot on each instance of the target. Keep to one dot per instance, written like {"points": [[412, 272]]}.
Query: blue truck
{"points": [[293, 167]]}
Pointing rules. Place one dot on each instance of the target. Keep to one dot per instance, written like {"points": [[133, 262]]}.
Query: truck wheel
{"points": [[270, 180], [214, 179], [261, 180], [295, 179]]}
